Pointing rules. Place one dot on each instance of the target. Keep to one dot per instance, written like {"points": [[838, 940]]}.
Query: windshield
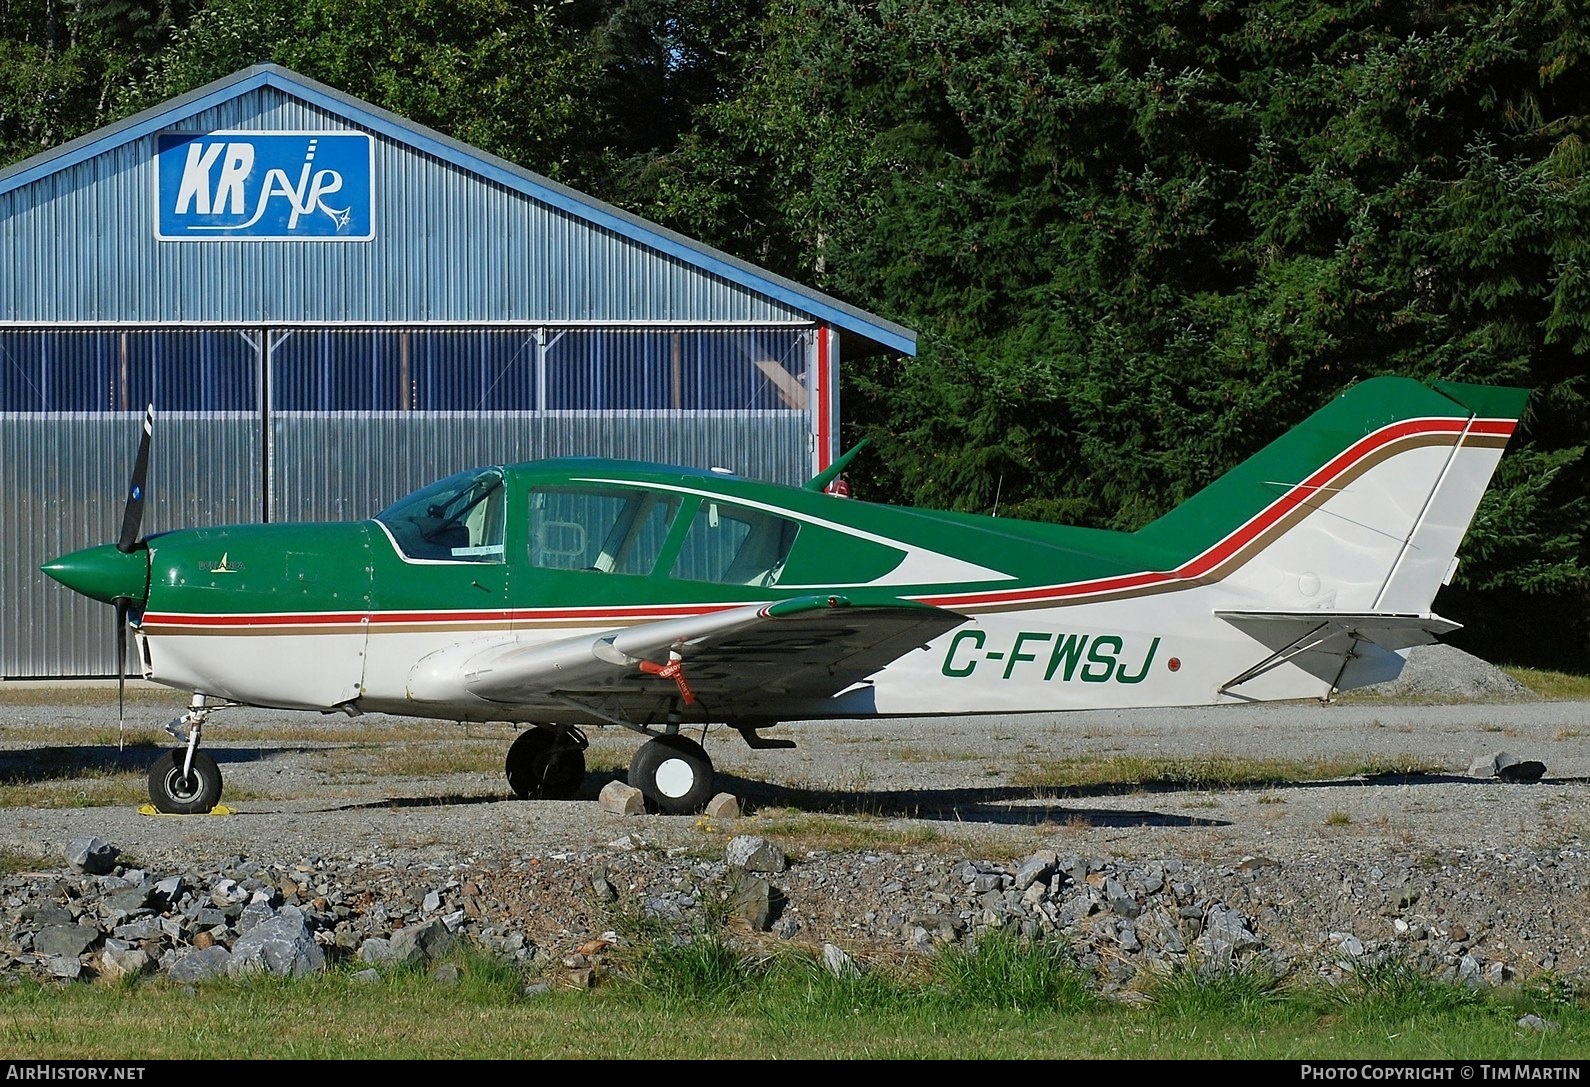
{"points": [[459, 518]]}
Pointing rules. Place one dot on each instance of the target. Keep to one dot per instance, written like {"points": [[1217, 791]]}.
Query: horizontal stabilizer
{"points": [[1389, 630]]}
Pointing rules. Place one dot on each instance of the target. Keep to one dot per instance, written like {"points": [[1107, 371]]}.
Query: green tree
{"points": [[64, 67]]}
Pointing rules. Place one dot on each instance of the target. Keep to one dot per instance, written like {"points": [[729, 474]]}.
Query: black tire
{"points": [[673, 773], [175, 794], [543, 764]]}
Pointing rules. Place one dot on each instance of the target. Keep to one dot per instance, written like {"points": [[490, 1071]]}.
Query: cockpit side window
{"points": [[734, 545], [607, 530], [459, 518]]}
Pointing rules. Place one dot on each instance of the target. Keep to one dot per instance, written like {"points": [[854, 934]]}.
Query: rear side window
{"points": [[733, 545]]}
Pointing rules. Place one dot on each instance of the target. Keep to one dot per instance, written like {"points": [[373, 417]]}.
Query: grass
{"points": [[812, 831], [706, 998], [1552, 686]]}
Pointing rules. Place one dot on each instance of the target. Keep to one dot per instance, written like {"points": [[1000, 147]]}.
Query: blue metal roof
{"points": [[823, 308]]}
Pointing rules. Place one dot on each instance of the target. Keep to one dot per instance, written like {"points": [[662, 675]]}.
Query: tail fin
{"points": [[1359, 509]]}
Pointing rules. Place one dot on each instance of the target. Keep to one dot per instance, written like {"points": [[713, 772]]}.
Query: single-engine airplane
{"points": [[573, 593]]}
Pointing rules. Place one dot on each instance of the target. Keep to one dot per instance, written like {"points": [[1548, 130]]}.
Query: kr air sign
{"points": [[264, 186]]}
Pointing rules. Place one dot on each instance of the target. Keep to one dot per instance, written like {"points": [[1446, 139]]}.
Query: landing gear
{"points": [[546, 763], [674, 773], [178, 791], [185, 780]]}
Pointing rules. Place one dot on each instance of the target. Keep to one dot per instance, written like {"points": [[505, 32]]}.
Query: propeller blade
{"points": [[122, 606], [133, 515]]}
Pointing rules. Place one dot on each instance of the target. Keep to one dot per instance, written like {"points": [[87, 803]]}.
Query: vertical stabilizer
{"points": [[1360, 508]]}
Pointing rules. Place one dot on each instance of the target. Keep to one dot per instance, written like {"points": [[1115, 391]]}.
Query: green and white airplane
{"points": [[567, 594]]}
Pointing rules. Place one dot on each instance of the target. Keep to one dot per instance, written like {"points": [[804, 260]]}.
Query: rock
{"points": [[755, 854], [839, 963], [1120, 917], [1509, 768], [281, 945], [95, 856], [122, 962], [1506, 767], [200, 965], [66, 941], [417, 944], [1038, 867], [377, 950], [753, 900]]}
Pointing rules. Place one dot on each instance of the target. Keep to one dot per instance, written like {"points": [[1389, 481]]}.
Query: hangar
{"points": [[328, 306]]}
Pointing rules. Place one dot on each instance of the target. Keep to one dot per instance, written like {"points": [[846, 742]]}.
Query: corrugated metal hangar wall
{"points": [[330, 306]]}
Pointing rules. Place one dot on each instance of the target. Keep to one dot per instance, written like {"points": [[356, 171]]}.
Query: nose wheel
{"points": [[178, 787], [185, 780], [673, 773]]}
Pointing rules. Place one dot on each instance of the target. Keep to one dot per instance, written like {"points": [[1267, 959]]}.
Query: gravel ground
{"points": [[1498, 861]]}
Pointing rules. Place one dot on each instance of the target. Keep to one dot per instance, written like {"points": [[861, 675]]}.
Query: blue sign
{"points": [[225, 186]]}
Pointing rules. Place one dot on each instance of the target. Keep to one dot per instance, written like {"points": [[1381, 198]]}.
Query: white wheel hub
{"points": [[675, 778]]}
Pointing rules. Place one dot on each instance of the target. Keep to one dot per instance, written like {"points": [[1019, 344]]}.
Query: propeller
{"points": [[132, 517], [131, 523]]}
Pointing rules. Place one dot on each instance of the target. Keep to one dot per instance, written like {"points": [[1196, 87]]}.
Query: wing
{"points": [[754, 661]]}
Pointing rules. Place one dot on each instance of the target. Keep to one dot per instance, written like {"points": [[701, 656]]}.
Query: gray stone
{"points": [[67, 969], [168, 890], [200, 965], [752, 900], [1509, 768], [754, 854], [122, 962], [280, 945], [68, 941], [144, 928], [1040, 866], [95, 856], [376, 950], [122, 903], [48, 914], [417, 944], [1226, 936], [839, 963], [253, 915]]}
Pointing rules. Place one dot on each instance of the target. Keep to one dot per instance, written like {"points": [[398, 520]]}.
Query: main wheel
{"points": [[545, 764], [176, 793], [674, 773]]}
